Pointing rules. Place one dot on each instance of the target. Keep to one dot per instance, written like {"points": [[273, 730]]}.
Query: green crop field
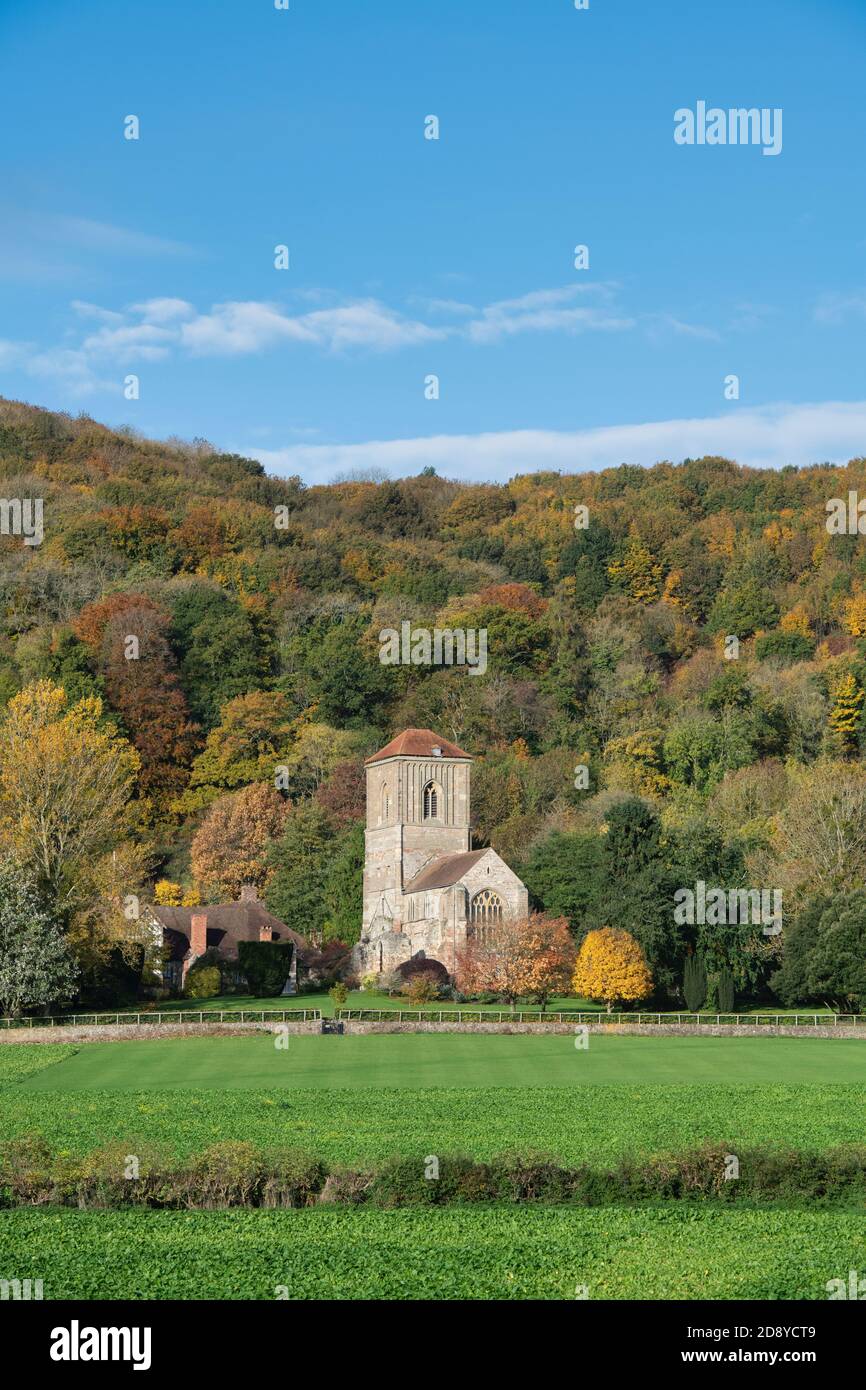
{"points": [[499, 1093], [451, 1252]]}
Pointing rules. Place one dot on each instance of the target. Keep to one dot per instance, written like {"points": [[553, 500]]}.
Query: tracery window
{"points": [[485, 911]]}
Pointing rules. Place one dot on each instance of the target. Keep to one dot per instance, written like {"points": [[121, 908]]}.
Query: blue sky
{"points": [[454, 257]]}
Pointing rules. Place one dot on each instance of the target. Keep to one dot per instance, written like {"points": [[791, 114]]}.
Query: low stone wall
{"points": [[147, 1032], [645, 1030]]}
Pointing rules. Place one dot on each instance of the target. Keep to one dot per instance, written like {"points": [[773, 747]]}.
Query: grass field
{"points": [[428, 1059], [448, 1252], [356, 1100]]}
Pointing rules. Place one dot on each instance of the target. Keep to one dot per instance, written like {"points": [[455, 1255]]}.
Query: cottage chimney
{"points": [[197, 935], [265, 933], [248, 893]]}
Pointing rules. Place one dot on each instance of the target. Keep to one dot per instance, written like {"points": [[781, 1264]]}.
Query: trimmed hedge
{"points": [[235, 1173], [266, 966]]}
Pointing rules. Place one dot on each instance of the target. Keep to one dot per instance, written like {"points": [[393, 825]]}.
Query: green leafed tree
{"points": [[37, 971]]}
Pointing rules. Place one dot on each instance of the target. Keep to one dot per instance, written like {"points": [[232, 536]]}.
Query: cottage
{"points": [[187, 932]]}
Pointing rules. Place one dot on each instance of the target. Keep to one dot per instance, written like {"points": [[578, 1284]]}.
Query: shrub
{"points": [[346, 1186], [422, 965], [695, 983], [421, 988], [266, 965], [292, 1178], [429, 1181], [725, 992], [339, 993], [227, 1174], [370, 981], [203, 983]]}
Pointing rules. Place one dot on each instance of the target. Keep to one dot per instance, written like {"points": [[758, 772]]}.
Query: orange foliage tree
{"points": [[611, 967], [230, 846], [518, 957], [127, 638]]}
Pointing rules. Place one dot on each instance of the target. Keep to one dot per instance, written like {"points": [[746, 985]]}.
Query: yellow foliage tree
{"points": [[847, 696], [66, 783], [797, 620], [634, 763], [167, 894], [611, 967], [636, 571], [855, 615]]}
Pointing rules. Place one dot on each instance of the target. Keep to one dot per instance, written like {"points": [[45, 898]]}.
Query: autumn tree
{"points": [[847, 696], [636, 571], [611, 967], [230, 847], [517, 957], [343, 796], [818, 844], [550, 953], [66, 779], [252, 739], [127, 635]]}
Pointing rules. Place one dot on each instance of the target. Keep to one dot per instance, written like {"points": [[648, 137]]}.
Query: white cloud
{"points": [[235, 329], [95, 311], [766, 437], [660, 324], [240, 328], [163, 326], [549, 310], [835, 308], [163, 310]]}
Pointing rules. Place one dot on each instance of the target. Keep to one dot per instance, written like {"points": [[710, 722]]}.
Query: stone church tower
{"points": [[425, 890]]}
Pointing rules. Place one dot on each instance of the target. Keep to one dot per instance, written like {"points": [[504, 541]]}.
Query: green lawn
{"points": [[438, 1253], [418, 1060]]}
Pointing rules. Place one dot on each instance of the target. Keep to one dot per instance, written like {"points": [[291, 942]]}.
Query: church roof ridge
{"points": [[419, 743]]}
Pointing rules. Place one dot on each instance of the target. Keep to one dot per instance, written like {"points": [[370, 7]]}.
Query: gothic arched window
{"points": [[386, 803], [485, 911], [432, 801]]}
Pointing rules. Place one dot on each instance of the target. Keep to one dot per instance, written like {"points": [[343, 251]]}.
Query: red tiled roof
{"points": [[418, 743]]}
